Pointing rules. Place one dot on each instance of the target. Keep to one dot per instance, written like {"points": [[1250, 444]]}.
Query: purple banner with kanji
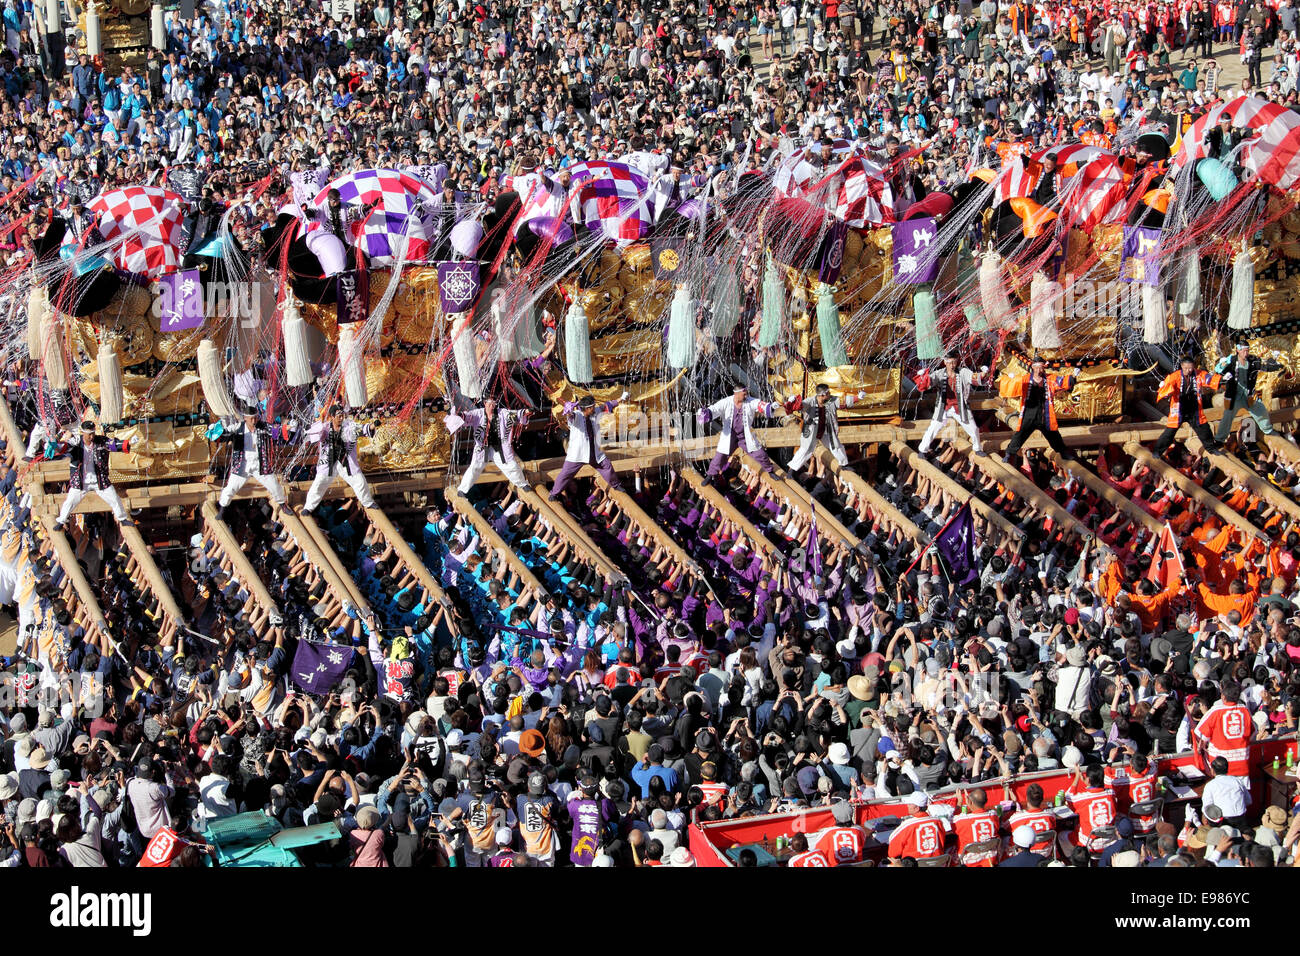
{"points": [[353, 300], [318, 667], [956, 546], [457, 286], [1140, 257], [832, 258], [916, 251], [180, 301]]}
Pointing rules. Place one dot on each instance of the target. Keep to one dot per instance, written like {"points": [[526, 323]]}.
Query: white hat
{"points": [[318, 738], [455, 737], [601, 859], [504, 836], [8, 786], [917, 798], [681, 857], [1126, 858], [839, 753], [1071, 757], [1023, 836]]}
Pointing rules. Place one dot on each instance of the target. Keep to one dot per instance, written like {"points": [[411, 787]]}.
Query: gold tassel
{"points": [[214, 383], [38, 304], [110, 384]]}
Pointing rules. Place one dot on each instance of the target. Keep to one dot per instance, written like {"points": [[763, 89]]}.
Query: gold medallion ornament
{"points": [[669, 260]]}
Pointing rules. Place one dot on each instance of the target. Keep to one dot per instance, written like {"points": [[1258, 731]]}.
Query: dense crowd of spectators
{"points": [[507, 699]]}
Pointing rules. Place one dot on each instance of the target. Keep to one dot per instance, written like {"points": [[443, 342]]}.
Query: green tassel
{"points": [[773, 307], [928, 343], [726, 303], [828, 327], [681, 330], [577, 344]]}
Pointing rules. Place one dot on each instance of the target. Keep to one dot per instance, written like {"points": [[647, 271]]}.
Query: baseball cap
{"points": [[536, 784]]}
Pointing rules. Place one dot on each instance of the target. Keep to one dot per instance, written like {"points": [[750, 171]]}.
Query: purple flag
{"points": [[832, 259], [916, 252], [956, 546], [318, 667], [588, 824], [180, 301], [814, 549], [1140, 257], [457, 286], [353, 299]]}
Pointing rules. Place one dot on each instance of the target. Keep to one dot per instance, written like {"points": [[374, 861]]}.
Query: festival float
{"points": [[159, 323]]}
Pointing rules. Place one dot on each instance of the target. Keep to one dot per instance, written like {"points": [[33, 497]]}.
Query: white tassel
{"points": [[1189, 302], [38, 305], [215, 392], [508, 339], [471, 386], [352, 355], [1154, 330], [1044, 309], [993, 293], [1243, 291], [110, 385], [297, 358], [53, 357]]}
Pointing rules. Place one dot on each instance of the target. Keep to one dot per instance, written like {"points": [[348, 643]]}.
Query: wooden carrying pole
{"points": [[567, 525], [318, 535], [157, 586], [1236, 468], [922, 467], [62, 548], [651, 527], [794, 492], [243, 569], [877, 501], [323, 559], [485, 530], [1000, 470], [406, 554], [716, 498]]}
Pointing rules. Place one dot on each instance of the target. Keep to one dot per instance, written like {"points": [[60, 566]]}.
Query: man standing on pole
{"points": [[252, 455], [1239, 389], [337, 439], [737, 414], [952, 402], [583, 418], [88, 472], [1037, 393], [818, 424], [493, 432], [1183, 390]]}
